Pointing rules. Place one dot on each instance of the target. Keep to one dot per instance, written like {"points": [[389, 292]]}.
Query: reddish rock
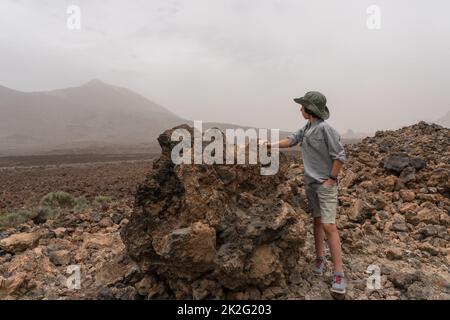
{"points": [[389, 183], [407, 195], [409, 207], [394, 254]]}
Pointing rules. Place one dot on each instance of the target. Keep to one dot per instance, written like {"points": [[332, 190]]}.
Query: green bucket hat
{"points": [[315, 102]]}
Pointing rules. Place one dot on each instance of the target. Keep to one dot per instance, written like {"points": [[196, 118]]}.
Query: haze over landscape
{"points": [[95, 117], [94, 114], [95, 206], [225, 61]]}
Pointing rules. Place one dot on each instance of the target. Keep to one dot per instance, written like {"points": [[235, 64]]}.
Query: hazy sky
{"points": [[241, 61]]}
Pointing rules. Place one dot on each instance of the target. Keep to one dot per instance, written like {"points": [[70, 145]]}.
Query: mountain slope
{"points": [[444, 121], [94, 113]]}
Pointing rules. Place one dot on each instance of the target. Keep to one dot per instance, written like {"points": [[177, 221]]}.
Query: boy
{"points": [[323, 156]]}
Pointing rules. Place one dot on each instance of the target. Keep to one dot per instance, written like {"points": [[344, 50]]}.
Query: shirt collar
{"points": [[312, 125]]}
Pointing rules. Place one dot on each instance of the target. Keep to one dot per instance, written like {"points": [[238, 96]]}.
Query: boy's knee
{"points": [[329, 227]]}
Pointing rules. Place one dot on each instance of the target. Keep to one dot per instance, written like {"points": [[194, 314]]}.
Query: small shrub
{"points": [[58, 199], [100, 201], [49, 213], [81, 204], [51, 206], [12, 219]]}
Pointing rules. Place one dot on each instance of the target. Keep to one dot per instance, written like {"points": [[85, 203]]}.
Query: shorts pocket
{"points": [[328, 188]]}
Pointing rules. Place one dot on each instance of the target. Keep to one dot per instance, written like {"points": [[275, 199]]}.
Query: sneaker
{"points": [[318, 266], [339, 284]]}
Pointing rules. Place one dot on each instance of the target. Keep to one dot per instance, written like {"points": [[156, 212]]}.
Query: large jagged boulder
{"points": [[203, 231]]}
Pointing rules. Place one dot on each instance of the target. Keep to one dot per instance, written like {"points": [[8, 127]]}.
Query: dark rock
{"points": [[116, 217], [397, 163], [3, 234], [417, 163], [220, 225], [403, 279], [105, 294], [408, 174]]}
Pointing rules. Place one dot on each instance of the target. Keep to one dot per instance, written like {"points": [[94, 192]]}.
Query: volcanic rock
{"points": [[224, 226]]}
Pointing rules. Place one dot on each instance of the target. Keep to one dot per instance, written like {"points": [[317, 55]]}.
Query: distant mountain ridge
{"points": [[444, 121], [93, 113], [95, 117]]}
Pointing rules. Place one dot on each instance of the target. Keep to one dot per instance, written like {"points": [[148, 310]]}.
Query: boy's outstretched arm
{"points": [[285, 143], [290, 141]]}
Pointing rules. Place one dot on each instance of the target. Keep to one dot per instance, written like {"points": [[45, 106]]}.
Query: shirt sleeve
{"points": [[294, 138], [335, 147]]}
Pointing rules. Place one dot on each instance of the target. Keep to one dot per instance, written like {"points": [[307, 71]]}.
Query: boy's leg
{"points": [[339, 284], [314, 207], [318, 265], [328, 204], [319, 237], [335, 246]]}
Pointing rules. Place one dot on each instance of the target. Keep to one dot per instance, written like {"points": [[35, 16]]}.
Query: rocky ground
{"points": [[226, 232], [24, 187]]}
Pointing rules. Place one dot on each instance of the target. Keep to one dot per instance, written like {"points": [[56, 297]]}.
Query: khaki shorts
{"points": [[322, 201]]}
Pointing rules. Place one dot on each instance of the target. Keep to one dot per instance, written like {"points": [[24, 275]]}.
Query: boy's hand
{"points": [[329, 182], [262, 142]]}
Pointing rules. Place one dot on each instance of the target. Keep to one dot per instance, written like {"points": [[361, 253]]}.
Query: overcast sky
{"points": [[241, 61]]}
